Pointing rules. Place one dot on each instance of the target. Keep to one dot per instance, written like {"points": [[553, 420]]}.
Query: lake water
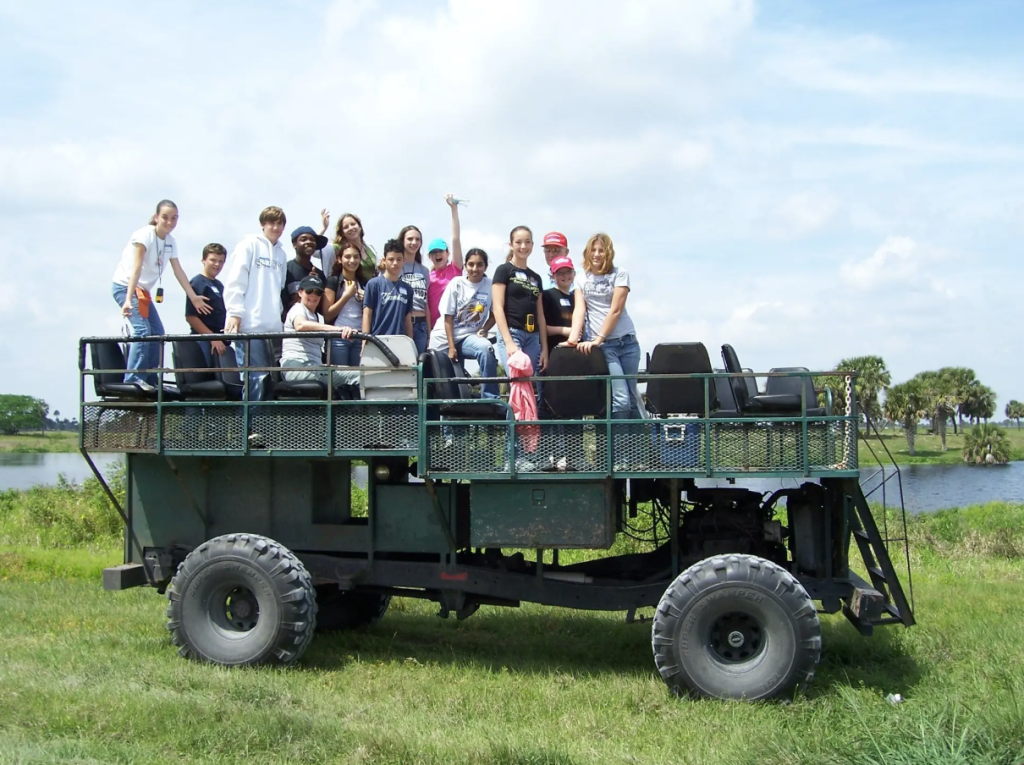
{"points": [[925, 487]]}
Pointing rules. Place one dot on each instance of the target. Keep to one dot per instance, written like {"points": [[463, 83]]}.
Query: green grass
{"points": [[89, 676], [52, 441], [928, 449]]}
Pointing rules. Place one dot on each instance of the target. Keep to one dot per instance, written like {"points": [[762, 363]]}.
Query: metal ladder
{"points": [[875, 544]]}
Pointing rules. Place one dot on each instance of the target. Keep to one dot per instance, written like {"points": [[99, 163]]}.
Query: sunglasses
{"points": [[318, 293]]}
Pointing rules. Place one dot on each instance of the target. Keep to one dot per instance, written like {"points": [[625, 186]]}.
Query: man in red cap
{"points": [[555, 246]]}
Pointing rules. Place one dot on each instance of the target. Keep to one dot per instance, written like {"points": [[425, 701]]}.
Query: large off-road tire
{"points": [[241, 599], [736, 627], [348, 609]]}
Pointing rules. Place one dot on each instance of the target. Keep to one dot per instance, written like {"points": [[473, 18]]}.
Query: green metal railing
{"points": [[711, 445]]}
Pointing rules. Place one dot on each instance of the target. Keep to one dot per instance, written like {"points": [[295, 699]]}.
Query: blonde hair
{"points": [[609, 254]]}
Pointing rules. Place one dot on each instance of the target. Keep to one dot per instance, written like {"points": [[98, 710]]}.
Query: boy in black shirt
{"points": [[305, 241], [206, 284], [559, 301]]}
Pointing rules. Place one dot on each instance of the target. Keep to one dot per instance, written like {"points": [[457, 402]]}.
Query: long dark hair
{"points": [[480, 253], [338, 269], [401, 239]]}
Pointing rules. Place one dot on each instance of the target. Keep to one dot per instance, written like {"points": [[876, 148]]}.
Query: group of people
{"points": [[451, 306]]}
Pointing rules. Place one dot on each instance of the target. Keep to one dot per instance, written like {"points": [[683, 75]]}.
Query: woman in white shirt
{"points": [[465, 319], [139, 271], [298, 354], [601, 302]]}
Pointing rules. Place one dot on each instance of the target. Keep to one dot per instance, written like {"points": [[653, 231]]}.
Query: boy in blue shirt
{"points": [[387, 300], [208, 285]]}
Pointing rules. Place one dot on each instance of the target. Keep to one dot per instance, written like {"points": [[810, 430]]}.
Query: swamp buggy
{"points": [[246, 514]]}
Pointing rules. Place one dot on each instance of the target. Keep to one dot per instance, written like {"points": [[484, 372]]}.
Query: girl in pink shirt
{"points": [[443, 269]]}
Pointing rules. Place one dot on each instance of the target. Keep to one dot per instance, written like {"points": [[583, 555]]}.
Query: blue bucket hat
{"points": [[437, 244], [321, 240]]}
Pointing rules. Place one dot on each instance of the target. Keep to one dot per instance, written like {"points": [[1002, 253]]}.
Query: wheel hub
{"points": [[736, 637], [241, 609]]}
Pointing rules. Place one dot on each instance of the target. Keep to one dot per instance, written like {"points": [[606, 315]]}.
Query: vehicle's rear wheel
{"points": [[241, 599], [348, 609], [736, 627]]}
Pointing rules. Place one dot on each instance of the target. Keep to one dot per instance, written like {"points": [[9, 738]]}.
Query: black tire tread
{"points": [[298, 623], [740, 569]]}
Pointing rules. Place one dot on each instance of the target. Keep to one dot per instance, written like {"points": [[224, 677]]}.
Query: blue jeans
{"points": [[141, 355], [623, 357], [260, 358], [529, 343], [480, 350], [346, 353], [420, 334]]}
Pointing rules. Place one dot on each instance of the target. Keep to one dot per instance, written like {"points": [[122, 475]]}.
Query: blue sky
{"points": [[806, 181]]}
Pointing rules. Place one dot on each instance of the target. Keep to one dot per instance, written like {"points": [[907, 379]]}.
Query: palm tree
{"points": [[940, 393], [906, 404], [962, 379], [872, 378], [1015, 411], [980, 403], [986, 445]]}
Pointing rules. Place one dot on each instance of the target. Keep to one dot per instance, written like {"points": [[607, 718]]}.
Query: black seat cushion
{"points": [[438, 367], [195, 385], [226, 370], [575, 399], [796, 386], [107, 354], [684, 396]]}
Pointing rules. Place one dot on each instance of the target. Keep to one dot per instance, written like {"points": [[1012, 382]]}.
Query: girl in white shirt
{"points": [[138, 272], [601, 301]]}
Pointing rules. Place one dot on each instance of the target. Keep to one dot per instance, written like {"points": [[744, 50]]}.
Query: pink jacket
{"points": [[522, 399]]}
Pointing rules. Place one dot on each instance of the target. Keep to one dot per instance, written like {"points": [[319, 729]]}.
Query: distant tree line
{"points": [[949, 395], [19, 414]]}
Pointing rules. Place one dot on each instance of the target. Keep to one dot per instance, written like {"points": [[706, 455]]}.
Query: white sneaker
{"points": [[523, 465], [143, 385], [562, 464]]}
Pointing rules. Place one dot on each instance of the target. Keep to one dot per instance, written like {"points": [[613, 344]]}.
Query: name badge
{"points": [[565, 302]]}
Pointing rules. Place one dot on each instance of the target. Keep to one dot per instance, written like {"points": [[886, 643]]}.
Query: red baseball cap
{"points": [[555, 239], [562, 261]]}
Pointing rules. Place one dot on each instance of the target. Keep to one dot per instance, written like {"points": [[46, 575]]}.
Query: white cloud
{"points": [[746, 210]]}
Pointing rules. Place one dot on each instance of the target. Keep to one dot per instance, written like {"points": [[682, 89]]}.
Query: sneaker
{"points": [[523, 465], [561, 464], [256, 441], [145, 386]]}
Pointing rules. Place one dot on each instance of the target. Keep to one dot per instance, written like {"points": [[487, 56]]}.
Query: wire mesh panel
{"points": [[458, 448], [204, 428], [289, 427], [554, 447], [118, 429], [363, 427]]}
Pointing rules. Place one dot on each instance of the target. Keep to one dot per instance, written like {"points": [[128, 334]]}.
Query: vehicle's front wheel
{"points": [[736, 627], [241, 599]]}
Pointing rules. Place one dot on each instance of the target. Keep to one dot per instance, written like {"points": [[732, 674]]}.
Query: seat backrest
{"points": [[106, 354], [726, 398], [743, 388], [188, 355], [225, 367], [437, 366], [575, 399], [679, 396], [379, 379], [793, 385]]}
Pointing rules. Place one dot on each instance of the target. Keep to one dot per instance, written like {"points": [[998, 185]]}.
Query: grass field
{"points": [[54, 441], [89, 676], [928, 449]]}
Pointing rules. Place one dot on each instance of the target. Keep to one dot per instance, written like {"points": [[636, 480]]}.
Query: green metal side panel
{"points": [[302, 503], [541, 515], [405, 519]]}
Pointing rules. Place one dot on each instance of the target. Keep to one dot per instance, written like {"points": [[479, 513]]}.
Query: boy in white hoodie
{"points": [[252, 292]]}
